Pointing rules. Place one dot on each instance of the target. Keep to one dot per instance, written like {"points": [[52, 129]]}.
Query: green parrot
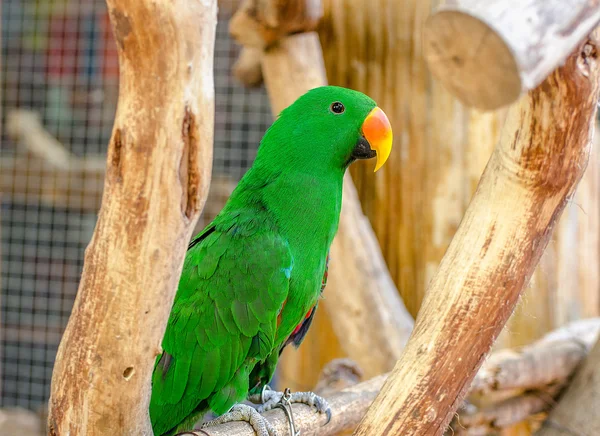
{"points": [[252, 278]]}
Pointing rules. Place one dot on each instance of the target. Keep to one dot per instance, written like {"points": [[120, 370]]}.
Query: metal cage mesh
{"points": [[59, 81]]}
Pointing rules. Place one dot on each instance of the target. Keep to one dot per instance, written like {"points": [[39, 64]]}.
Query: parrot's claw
{"points": [[272, 399], [243, 412]]}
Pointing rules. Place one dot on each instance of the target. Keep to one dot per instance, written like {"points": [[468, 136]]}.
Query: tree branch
{"points": [[157, 178], [351, 403], [529, 179], [549, 360], [488, 52], [502, 415]]}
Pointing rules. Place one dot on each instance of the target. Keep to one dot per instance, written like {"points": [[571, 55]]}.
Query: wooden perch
{"points": [[351, 403], [157, 177], [260, 24], [366, 311], [577, 411], [25, 126], [487, 53], [529, 179], [337, 375]]}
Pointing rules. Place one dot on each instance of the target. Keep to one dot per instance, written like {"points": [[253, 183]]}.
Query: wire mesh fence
{"points": [[59, 81]]}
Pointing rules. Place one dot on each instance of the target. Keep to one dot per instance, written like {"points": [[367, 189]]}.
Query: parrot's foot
{"points": [[271, 399], [243, 412]]}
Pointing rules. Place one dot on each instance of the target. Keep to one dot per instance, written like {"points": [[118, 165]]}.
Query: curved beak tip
{"points": [[377, 130]]}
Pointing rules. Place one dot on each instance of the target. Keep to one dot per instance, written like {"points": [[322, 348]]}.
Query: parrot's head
{"points": [[328, 128]]}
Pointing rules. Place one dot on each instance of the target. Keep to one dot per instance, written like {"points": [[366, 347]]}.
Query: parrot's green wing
{"points": [[234, 282]]}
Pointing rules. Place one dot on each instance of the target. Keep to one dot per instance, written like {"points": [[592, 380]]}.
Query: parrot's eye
{"points": [[337, 108]]}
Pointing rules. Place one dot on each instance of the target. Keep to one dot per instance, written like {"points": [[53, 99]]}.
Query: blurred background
{"points": [[59, 88]]}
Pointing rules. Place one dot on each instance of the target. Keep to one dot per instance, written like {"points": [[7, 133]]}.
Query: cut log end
{"points": [[471, 60]]}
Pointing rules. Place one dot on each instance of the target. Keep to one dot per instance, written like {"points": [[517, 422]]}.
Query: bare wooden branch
{"points": [[157, 178], [260, 23], [529, 179], [351, 403], [25, 126], [337, 375], [549, 360], [366, 311], [489, 52], [577, 411]]}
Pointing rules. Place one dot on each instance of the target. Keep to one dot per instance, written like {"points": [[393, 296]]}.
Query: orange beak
{"points": [[378, 132]]}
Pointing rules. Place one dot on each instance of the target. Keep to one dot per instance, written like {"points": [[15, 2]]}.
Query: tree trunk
{"points": [[528, 181], [157, 178]]}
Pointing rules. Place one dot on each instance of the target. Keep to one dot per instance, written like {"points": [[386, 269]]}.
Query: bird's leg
{"points": [[243, 412], [271, 399]]}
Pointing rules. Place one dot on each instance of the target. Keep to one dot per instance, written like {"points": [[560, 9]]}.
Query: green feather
{"points": [[252, 275]]}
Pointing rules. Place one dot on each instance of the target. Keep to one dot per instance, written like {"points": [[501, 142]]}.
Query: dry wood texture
{"points": [[157, 177], [577, 411], [417, 200], [488, 52], [549, 360], [351, 403], [530, 177], [565, 286], [348, 406]]}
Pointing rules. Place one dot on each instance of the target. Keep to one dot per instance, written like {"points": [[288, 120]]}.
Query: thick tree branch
{"points": [[487, 52], [549, 360], [351, 403], [157, 178], [529, 179], [492, 419]]}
